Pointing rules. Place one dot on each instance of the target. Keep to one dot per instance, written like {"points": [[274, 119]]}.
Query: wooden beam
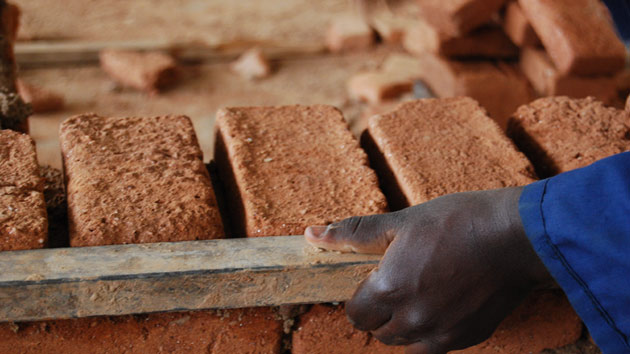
{"points": [[128, 279], [58, 53]]}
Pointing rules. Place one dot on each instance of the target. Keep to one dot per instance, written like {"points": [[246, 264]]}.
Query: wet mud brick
{"points": [[136, 180], [488, 41], [499, 87], [320, 329], [290, 167], [150, 71], [547, 81], [234, 331], [518, 28], [545, 320], [23, 219], [430, 147], [457, 17], [577, 34], [559, 134]]}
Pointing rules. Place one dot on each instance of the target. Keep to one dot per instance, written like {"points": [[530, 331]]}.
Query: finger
{"points": [[360, 234]]}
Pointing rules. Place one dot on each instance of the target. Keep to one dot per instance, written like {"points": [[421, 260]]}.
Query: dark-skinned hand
{"points": [[453, 268]]}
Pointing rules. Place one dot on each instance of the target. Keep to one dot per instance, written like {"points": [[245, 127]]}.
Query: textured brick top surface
{"points": [[578, 34], [297, 166], [18, 161], [23, 222], [440, 146], [136, 180], [574, 132]]}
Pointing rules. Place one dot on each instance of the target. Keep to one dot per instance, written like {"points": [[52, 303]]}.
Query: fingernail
{"points": [[316, 231]]}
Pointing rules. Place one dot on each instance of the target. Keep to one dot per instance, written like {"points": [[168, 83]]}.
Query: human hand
{"points": [[453, 268]]}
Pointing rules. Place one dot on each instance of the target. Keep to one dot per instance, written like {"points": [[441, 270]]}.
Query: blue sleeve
{"points": [[579, 224]]}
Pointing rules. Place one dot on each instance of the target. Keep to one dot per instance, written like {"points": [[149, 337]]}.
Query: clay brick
{"points": [[377, 86], [234, 331], [547, 81], [359, 125], [151, 71], [252, 65], [431, 147], [42, 100], [518, 28], [486, 42], [349, 33], [23, 220], [545, 320], [499, 87], [391, 28], [559, 134], [320, 331], [457, 17], [291, 167], [577, 34], [136, 180]]}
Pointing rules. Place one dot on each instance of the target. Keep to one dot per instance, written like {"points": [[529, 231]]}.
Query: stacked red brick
{"points": [[23, 220], [290, 167], [559, 134], [582, 54], [428, 148], [136, 180]]}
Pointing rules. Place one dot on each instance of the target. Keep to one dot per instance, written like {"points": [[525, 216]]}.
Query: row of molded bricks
{"points": [[281, 169]]}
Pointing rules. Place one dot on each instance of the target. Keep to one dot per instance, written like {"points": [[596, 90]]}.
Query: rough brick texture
{"points": [[486, 42], [559, 134], [290, 167], [545, 320], [23, 220], [518, 28], [235, 331], [500, 88], [431, 147], [149, 71], [547, 81], [136, 180], [457, 17], [577, 34], [326, 330]]}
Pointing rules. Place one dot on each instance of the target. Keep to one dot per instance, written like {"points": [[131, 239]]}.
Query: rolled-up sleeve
{"points": [[579, 224]]}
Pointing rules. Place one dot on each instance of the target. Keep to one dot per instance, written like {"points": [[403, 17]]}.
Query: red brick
{"points": [[431, 147], [559, 134], [547, 81], [488, 41], [577, 34], [518, 28], [41, 99], [325, 329], [545, 320], [252, 65], [150, 71], [457, 17], [499, 87], [349, 33], [378, 86], [235, 331], [290, 167], [136, 180], [23, 219]]}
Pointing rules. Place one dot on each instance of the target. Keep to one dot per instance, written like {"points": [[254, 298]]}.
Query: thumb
{"points": [[360, 234]]}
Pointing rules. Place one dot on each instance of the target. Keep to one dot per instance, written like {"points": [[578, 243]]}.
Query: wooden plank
{"points": [[57, 53], [127, 279]]}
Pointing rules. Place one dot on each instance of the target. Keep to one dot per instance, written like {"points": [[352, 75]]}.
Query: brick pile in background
{"points": [[428, 148]]}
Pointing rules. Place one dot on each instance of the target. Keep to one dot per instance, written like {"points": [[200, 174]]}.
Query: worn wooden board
{"points": [[128, 279]]}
